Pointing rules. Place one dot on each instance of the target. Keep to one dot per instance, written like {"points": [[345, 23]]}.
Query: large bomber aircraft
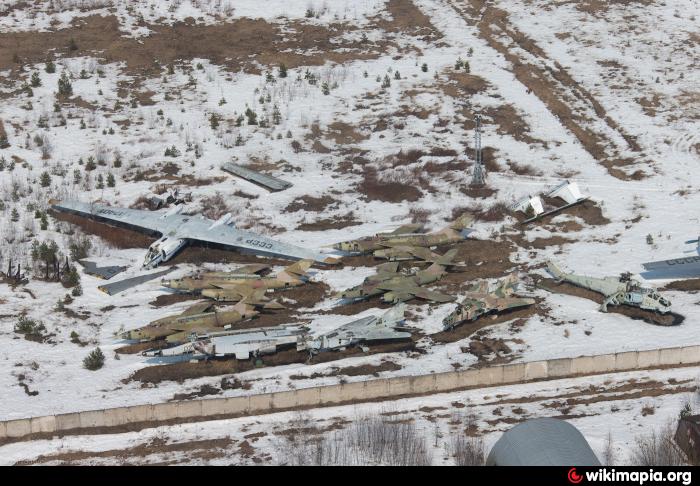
{"points": [[177, 230]]}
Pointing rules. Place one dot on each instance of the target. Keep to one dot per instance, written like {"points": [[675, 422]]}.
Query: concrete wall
{"points": [[386, 388]]}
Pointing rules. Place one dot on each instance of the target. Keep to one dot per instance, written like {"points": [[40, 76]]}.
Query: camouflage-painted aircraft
{"points": [[397, 287], [233, 286], [479, 301], [199, 318], [617, 290], [398, 244]]}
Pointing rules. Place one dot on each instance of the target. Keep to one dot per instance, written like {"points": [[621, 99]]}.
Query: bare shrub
{"points": [[468, 451], [373, 439], [658, 449], [609, 455], [213, 207]]}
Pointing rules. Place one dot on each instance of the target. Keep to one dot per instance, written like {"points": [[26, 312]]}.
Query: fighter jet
{"points": [[235, 285], [683, 267], [199, 318], [479, 301], [617, 290], [177, 230], [388, 327], [241, 344], [397, 287], [398, 244]]}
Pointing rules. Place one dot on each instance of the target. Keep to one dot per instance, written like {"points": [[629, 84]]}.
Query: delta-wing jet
{"points": [[387, 327], [177, 230]]}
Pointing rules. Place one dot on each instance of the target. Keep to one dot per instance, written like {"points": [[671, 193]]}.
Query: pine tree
{"points": [[387, 81], [466, 66], [77, 291], [95, 360], [276, 115], [72, 279], [44, 223], [90, 164], [397, 75], [214, 121], [110, 180], [65, 88], [424, 67], [36, 80], [100, 182], [45, 179], [252, 117], [50, 67], [325, 89], [14, 216], [283, 71]]}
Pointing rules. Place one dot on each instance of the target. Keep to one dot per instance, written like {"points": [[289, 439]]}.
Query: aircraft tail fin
{"points": [[556, 272], [394, 315], [463, 222], [506, 286], [299, 268]]}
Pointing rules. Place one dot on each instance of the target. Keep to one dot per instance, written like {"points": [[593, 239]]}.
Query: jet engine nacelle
{"points": [[162, 251]]}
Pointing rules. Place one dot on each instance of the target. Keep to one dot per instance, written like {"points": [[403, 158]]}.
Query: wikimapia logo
{"points": [[638, 477]]}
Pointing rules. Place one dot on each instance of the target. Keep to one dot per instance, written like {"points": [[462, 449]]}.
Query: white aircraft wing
{"points": [[150, 221], [244, 240], [677, 267]]}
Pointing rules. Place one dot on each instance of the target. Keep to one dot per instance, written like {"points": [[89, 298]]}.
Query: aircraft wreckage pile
{"points": [[204, 330]]}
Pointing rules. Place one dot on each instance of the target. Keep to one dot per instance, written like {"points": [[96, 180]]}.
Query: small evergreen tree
{"points": [[397, 75], [325, 89], [45, 179], [100, 182], [110, 180], [14, 216], [65, 88], [283, 71], [466, 66], [77, 291], [50, 67], [36, 80], [276, 115], [72, 278], [44, 223], [95, 360], [252, 116], [214, 121], [90, 164], [424, 67], [387, 81]]}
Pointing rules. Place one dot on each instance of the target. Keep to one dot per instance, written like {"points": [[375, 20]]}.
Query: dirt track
{"points": [[574, 106]]}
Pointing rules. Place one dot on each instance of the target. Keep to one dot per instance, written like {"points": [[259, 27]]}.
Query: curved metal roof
{"points": [[542, 442]]}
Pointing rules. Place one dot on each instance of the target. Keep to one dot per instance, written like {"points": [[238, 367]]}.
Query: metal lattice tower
{"points": [[479, 173]]}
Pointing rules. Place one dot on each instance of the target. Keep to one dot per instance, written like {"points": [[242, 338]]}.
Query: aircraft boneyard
{"points": [[396, 287], [387, 327], [616, 290], [479, 301], [177, 230], [398, 244], [199, 318]]}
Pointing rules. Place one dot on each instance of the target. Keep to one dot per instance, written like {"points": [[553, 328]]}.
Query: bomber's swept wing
{"points": [[677, 267], [177, 230]]}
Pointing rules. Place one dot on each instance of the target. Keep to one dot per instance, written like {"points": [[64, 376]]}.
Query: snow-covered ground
{"points": [[625, 62]]}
